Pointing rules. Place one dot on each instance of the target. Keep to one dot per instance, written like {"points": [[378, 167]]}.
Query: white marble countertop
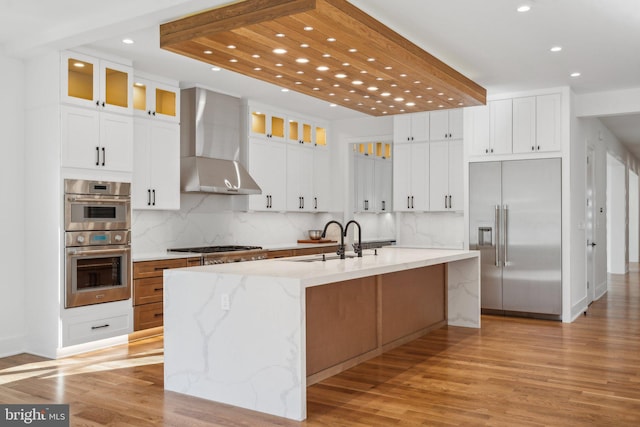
{"points": [[387, 260]]}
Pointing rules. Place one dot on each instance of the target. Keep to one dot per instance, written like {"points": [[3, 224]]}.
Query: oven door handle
{"points": [[93, 251], [97, 200]]}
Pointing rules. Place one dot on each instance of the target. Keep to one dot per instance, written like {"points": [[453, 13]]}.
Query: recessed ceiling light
{"points": [[336, 85], [385, 94], [280, 35], [366, 96], [322, 68], [233, 60], [440, 106], [394, 85], [138, 84], [353, 50], [345, 64], [419, 96], [460, 103], [207, 52], [388, 67], [308, 28], [298, 83], [440, 93], [280, 51], [257, 69], [357, 82], [575, 74], [430, 102], [326, 55], [378, 101], [302, 60], [379, 79], [284, 90], [410, 104], [407, 91], [398, 99], [347, 99], [319, 79], [332, 94], [449, 99], [316, 88], [363, 72], [556, 49], [333, 105], [384, 112], [341, 76], [278, 65], [215, 68], [127, 41], [429, 88], [279, 76], [231, 46], [331, 39], [372, 88], [299, 72], [371, 59], [403, 75], [255, 55], [360, 104], [304, 45], [524, 8]]}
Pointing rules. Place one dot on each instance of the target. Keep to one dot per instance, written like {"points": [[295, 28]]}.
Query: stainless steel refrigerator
{"points": [[515, 211]]}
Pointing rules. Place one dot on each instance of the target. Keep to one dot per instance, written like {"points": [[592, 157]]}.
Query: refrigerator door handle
{"points": [[496, 227], [505, 229]]}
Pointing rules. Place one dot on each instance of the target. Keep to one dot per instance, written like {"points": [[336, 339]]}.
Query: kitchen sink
{"points": [[316, 258]]}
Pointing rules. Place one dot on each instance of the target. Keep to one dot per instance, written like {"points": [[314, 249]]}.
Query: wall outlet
{"points": [[225, 304]]}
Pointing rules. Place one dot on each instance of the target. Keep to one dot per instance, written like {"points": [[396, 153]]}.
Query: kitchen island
{"points": [[255, 334]]}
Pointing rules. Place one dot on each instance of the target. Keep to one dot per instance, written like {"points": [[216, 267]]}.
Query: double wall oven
{"points": [[97, 219]]}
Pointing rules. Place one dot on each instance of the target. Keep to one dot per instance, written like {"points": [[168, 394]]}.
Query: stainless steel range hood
{"points": [[210, 144]]}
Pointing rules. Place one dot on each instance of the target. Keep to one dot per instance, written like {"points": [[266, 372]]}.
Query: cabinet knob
{"points": [[97, 103], [492, 150], [533, 148], [103, 104], [538, 148], [486, 151]]}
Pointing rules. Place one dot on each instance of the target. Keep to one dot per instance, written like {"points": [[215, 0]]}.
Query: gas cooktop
{"points": [[216, 249]]}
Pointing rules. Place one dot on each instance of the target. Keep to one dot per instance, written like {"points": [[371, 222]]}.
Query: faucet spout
{"points": [[342, 234], [356, 247]]}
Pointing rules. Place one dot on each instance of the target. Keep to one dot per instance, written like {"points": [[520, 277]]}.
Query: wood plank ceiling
{"points": [[328, 49]]}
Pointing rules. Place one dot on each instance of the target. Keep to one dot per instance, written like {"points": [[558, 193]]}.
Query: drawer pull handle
{"points": [[157, 289], [160, 268], [106, 325], [158, 315]]}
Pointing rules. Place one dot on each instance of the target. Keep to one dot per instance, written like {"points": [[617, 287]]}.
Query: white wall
{"points": [[616, 216], [12, 252], [634, 218]]}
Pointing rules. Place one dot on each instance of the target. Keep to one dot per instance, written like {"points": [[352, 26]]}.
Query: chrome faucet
{"points": [[356, 247], [324, 234]]}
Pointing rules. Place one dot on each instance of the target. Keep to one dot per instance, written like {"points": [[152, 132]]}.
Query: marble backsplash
{"points": [[206, 219], [430, 229]]}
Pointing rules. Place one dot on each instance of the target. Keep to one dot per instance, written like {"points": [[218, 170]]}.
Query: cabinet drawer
{"points": [[194, 262], [96, 329], [316, 250], [282, 253], [147, 290], [147, 316], [144, 269]]}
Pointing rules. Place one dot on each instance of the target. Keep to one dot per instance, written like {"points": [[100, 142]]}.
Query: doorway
{"points": [[634, 218], [590, 226]]}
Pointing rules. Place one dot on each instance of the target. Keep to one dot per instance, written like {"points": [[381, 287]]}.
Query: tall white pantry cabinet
{"points": [[52, 330]]}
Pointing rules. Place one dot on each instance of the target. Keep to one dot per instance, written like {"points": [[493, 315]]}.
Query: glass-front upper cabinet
{"points": [[267, 124], [300, 131], [91, 82], [321, 136], [153, 99]]}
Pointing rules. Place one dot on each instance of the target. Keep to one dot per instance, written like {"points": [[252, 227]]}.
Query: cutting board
{"points": [[317, 241]]}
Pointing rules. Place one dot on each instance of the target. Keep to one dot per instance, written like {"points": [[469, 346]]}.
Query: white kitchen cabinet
{"points": [[445, 124], [411, 177], [299, 131], [156, 100], [476, 128], [300, 178], [524, 125], [156, 171], [383, 178], [501, 126], [364, 183], [321, 179], [548, 122], [267, 124], [94, 83], [445, 176], [96, 140], [268, 167], [410, 127]]}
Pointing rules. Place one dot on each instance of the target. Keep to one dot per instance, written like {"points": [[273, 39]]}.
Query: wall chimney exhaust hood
{"points": [[327, 49], [210, 144]]}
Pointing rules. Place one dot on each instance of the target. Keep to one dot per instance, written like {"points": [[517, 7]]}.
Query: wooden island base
{"points": [[355, 320]]}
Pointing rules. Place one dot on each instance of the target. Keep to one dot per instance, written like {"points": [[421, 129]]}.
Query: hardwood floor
{"points": [[512, 372]]}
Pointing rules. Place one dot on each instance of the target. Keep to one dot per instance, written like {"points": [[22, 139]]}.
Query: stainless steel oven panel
{"points": [[76, 297], [97, 238], [109, 188], [93, 212]]}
